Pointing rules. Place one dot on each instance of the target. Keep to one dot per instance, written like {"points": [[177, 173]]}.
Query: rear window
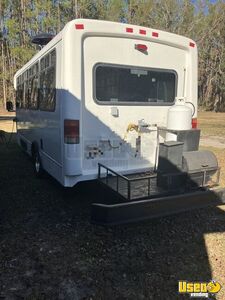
{"points": [[126, 85]]}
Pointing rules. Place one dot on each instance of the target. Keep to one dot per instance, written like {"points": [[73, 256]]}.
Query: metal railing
{"points": [[193, 180], [109, 174]]}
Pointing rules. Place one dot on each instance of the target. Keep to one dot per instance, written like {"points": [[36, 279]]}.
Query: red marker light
{"points": [[192, 44], [79, 26], [142, 31], [194, 123], [129, 29], [155, 34], [141, 47]]}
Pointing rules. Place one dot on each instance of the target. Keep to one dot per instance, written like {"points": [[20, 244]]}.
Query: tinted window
{"points": [[47, 83], [34, 93], [137, 85], [47, 61], [47, 89], [42, 64], [19, 96], [53, 58], [26, 93]]}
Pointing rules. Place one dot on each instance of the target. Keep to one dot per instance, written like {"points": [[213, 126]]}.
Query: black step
{"points": [[133, 211]]}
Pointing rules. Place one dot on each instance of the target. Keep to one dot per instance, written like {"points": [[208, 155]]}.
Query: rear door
{"points": [[127, 83]]}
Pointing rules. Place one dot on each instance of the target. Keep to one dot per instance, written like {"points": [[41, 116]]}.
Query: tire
{"points": [[38, 169]]}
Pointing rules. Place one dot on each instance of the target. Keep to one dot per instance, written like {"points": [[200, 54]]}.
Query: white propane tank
{"points": [[179, 117]]}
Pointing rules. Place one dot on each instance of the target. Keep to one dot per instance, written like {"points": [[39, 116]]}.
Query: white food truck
{"points": [[107, 95], [78, 95]]}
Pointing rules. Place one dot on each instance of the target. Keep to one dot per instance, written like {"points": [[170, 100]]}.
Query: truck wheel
{"points": [[37, 165]]}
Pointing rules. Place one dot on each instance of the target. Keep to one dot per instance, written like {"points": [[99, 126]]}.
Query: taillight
{"points": [[194, 123], [71, 132]]}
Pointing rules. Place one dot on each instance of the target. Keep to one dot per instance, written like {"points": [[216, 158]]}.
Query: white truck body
{"points": [[108, 78]]}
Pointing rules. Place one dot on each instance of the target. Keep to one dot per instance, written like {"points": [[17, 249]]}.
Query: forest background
{"points": [[200, 20]]}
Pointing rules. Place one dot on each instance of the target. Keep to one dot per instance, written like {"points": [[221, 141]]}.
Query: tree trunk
{"points": [[3, 74]]}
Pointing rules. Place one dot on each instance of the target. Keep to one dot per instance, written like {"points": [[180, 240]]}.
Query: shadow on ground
{"points": [[49, 249]]}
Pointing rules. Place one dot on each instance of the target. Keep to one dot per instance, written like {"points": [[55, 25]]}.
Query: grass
{"points": [[220, 154], [211, 123]]}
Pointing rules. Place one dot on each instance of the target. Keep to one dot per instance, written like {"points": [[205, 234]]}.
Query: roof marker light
{"points": [[141, 47], [155, 34], [129, 29], [142, 31], [192, 44], [79, 26]]}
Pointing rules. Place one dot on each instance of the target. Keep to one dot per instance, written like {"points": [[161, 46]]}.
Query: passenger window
{"points": [[19, 96], [22, 105], [47, 89], [34, 93], [53, 58], [42, 63], [47, 62], [26, 94]]}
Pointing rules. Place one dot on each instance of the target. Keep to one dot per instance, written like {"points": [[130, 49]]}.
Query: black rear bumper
{"points": [[133, 211]]}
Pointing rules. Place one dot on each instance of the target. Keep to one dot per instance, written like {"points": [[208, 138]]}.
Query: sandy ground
{"points": [[213, 141]]}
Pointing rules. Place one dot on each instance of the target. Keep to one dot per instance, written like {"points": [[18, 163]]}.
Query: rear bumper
{"points": [[134, 211]]}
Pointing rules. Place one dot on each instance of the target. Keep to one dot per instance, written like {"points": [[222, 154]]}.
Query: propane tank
{"points": [[179, 117]]}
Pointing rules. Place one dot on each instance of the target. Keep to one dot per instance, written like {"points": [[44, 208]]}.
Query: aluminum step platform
{"points": [[133, 211], [139, 198]]}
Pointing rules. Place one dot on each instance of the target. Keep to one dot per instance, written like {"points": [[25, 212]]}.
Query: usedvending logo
{"points": [[199, 289]]}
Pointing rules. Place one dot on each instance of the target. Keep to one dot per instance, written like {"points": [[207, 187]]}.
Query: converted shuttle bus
{"points": [[118, 102], [97, 92]]}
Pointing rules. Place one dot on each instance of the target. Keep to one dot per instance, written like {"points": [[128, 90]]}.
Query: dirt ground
{"points": [[212, 124], [50, 250], [212, 129]]}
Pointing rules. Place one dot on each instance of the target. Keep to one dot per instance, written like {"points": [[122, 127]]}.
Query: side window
{"points": [[47, 83], [23, 96], [19, 96], [42, 64], [20, 92], [34, 93], [29, 92], [33, 88], [42, 89], [26, 94]]}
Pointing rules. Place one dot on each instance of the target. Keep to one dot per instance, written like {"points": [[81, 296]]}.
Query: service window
{"points": [[130, 85]]}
